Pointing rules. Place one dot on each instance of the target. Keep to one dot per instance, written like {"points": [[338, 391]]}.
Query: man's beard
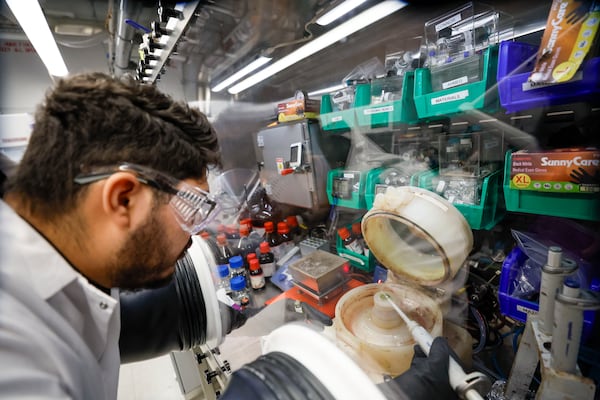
{"points": [[143, 260]]}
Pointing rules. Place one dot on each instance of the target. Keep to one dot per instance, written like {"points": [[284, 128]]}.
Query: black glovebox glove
{"points": [[234, 319], [427, 377]]}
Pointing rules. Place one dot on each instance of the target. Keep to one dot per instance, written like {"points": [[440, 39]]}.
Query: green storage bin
{"points": [[490, 209], [568, 205], [374, 185], [370, 186], [482, 94], [392, 112], [346, 188], [338, 120], [424, 179], [360, 261], [344, 119]]}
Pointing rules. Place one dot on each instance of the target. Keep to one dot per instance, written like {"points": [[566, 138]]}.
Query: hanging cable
{"points": [[483, 330]]}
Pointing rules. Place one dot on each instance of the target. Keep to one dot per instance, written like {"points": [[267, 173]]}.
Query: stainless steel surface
{"points": [[307, 186], [320, 271]]}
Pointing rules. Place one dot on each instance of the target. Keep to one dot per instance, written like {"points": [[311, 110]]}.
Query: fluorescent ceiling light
{"points": [[259, 62], [339, 11], [327, 90], [34, 24], [341, 31]]}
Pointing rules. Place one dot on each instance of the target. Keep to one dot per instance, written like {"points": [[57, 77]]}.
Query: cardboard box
{"points": [[298, 109], [558, 171], [568, 37]]}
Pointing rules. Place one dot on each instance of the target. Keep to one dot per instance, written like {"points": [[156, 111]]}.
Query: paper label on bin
{"points": [[528, 85], [528, 311], [455, 82], [559, 171], [448, 22], [463, 94], [337, 119], [378, 110]]}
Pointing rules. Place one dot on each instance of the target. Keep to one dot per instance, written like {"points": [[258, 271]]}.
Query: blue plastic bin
{"points": [[515, 63], [518, 308]]}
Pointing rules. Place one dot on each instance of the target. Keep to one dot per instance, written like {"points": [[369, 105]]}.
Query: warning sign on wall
{"points": [[16, 46]]}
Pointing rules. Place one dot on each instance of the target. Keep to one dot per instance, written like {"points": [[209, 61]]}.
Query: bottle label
{"points": [[257, 282], [268, 269], [355, 247]]}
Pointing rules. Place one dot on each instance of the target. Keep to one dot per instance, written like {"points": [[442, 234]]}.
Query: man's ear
{"points": [[122, 198]]}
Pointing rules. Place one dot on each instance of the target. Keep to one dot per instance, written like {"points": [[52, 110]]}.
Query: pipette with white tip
{"points": [[465, 385]]}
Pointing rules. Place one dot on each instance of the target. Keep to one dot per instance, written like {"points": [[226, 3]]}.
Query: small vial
{"points": [[250, 257], [286, 243], [273, 240], [266, 259], [257, 278], [236, 265], [239, 293], [224, 251], [223, 278], [295, 230]]}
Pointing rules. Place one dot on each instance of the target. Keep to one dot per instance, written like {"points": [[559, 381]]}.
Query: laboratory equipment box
{"points": [[295, 159], [299, 108], [319, 271], [554, 183], [517, 93]]}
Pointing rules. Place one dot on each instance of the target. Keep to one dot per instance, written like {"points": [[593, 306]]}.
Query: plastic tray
{"points": [[490, 209], [476, 95], [569, 205], [515, 63]]}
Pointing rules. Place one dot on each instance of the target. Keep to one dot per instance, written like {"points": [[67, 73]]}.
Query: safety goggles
{"points": [[193, 207]]}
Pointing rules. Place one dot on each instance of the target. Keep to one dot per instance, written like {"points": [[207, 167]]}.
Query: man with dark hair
{"points": [[107, 195]]}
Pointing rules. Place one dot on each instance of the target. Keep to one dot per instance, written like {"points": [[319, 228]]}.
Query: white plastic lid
{"points": [[417, 234]]}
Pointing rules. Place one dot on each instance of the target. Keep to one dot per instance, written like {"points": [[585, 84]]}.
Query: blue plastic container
{"points": [[519, 308], [515, 63]]}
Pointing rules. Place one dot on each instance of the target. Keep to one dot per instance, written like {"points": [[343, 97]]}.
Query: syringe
{"points": [[465, 385]]}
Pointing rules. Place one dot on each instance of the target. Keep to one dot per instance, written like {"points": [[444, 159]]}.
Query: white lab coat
{"points": [[58, 333]]}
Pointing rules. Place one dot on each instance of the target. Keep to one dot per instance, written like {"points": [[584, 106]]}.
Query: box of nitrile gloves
{"points": [[562, 171], [562, 183]]}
